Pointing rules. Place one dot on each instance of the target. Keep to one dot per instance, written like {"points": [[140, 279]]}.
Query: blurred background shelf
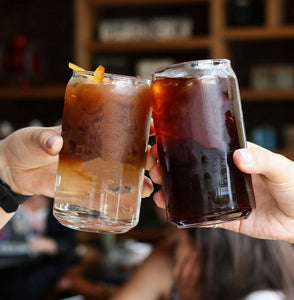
{"points": [[257, 36], [150, 45], [260, 33], [135, 37], [268, 94], [141, 2], [47, 92]]}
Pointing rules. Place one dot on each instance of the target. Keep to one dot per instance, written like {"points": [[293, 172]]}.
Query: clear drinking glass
{"points": [[105, 128], [198, 121]]}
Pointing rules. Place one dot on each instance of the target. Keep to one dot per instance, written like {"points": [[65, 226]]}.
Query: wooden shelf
{"points": [[148, 45], [259, 33], [266, 95], [45, 92], [106, 3]]}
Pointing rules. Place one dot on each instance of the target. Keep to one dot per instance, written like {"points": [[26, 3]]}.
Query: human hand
{"points": [[150, 161], [155, 174], [273, 184], [28, 160], [29, 157]]}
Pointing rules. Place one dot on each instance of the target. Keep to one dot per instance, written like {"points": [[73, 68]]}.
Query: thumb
{"points": [[257, 160], [47, 139], [32, 146]]}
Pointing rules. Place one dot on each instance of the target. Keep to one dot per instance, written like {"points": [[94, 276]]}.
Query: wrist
{"points": [[9, 200]]}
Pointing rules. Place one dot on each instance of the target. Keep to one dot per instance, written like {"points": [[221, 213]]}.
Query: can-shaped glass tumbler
{"points": [[105, 129], [198, 121]]}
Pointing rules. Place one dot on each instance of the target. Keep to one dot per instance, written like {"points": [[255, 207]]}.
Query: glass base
{"points": [[80, 218], [211, 220]]}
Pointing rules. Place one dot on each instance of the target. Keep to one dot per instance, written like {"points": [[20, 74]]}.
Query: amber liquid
{"points": [[198, 128], [105, 129]]}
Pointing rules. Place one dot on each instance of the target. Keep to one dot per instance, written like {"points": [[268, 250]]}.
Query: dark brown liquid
{"points": [[100, 120], [197, 130]]}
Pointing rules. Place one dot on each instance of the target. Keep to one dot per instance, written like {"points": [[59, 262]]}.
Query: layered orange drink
{"points": [[105, 128]]}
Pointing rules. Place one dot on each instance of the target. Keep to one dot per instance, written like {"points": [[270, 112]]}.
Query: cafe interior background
{"points": [[133, 37]]}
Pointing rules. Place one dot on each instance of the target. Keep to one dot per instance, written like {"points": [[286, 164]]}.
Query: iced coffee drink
{"points": [[198, 121], [105, 129]]}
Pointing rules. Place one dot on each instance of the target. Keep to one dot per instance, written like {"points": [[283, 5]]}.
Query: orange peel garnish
{"points": [[98, 73], [75, 67]]}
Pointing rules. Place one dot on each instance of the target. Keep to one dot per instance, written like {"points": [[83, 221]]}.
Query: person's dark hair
{"points": [[233, 265]]}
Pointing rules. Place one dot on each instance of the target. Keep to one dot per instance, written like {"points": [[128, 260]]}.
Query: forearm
{"points": [[151, 280]]}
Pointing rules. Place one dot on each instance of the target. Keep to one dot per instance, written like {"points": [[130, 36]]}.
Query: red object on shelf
{"points": [[21, 62], [4, 62]]}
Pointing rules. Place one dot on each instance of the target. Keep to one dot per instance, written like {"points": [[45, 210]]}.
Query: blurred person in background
{"points": [[48, 250], [213, 264]]}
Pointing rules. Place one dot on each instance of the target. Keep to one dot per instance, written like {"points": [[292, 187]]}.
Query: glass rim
{"points": [[113, 77], [200, 62]]}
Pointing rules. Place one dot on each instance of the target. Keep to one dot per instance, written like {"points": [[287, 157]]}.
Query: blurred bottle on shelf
{"points": [[289, 11], [6, 128], [245, 12], [265, 136], [21, 62], [4, 62], [35, 123], [57, 122]]}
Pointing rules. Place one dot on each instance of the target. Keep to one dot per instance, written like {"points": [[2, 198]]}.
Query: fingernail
{"points": [[51, 141], [246, 156]]}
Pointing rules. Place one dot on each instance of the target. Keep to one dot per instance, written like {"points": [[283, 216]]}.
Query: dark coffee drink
{"points": [[198, 122]]}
